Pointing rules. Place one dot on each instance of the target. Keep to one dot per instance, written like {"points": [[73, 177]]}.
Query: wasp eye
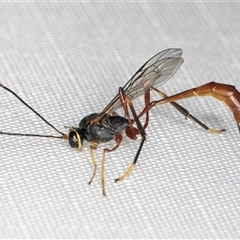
{"points": [[74, 139]]}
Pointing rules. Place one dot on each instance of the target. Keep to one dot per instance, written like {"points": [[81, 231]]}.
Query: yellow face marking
{"points": [[78, 140]]}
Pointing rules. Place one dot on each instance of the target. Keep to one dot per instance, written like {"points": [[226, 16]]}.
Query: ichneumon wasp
{"points": [[107, 125]]}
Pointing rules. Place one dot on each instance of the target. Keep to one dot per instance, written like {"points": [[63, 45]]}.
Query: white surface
{"points": [[67, 60]]}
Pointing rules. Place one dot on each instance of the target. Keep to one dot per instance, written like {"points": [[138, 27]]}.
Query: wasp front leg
{"points": [[93, 146]]}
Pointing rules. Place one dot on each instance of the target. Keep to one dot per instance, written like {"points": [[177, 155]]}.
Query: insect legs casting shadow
{"points": [[107, 125]]}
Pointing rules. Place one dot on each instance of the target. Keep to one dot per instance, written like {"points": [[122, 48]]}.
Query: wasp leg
{"points": [[132, 132], [129, 170], [186, 113], [118, 140], [126, 102], [147, 101], [93, 147], [179, 108]]}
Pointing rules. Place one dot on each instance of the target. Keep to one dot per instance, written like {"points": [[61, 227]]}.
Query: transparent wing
{"points": [[155, 72]]}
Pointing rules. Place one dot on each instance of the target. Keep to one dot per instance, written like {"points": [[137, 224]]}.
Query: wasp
{"points": [[108, 125]]}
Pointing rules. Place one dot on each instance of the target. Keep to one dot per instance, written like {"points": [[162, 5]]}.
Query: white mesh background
{"points": [[67, 60]]}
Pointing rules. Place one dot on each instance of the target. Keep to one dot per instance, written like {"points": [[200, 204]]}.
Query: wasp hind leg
{"points": [[186, 113]]}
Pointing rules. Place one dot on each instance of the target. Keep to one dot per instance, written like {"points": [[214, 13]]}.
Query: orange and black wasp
{"points": [[107, 125]]}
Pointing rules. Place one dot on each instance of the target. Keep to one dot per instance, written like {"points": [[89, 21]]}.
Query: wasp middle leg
{"points": [[126, 102], [93, 146], [118, 140]]}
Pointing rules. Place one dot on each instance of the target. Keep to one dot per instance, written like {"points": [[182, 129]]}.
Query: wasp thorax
{"points": [[74, 138]]}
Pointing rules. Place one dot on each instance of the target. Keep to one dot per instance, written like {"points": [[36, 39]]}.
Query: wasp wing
{"points": [[155, 72]]}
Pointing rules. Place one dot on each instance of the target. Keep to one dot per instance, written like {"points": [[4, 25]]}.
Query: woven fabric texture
{"points": [[67, 60]]}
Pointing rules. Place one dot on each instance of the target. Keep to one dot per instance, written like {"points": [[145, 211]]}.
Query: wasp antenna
{"points": [[48, 123], [33, 135]]}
